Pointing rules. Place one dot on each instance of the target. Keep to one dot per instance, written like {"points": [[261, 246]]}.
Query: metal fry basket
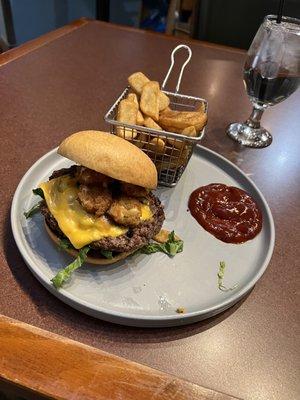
{"points": [[169, 151]]}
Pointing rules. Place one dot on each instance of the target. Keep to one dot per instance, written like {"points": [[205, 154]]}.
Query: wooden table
{"points": [[65, 82]]}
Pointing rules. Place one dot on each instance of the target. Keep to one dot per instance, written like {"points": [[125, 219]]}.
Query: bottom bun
{"points": [[91, 260]]}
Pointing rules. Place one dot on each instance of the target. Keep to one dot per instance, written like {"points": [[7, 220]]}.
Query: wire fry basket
{"points": [[170, 151]]}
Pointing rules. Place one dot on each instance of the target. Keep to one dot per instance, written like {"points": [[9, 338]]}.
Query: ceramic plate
{"points": [[146, 290]]}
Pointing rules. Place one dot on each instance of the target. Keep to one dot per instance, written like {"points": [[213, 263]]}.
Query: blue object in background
{"points": [[157, 11], [32, 18]]}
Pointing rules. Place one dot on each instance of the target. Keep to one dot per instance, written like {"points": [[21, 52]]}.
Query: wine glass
{"points": [[271, 74]]}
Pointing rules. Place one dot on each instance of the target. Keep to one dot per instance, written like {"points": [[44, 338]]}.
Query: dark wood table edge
{"points": [[174, 38], [31, 358], [34, 44]]}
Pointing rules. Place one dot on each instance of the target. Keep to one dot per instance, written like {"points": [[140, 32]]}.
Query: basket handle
{"points": [[181, 46]]}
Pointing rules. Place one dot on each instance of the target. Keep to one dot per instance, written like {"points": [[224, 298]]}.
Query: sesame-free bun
{"points": [[111, 156], [91, 260]]}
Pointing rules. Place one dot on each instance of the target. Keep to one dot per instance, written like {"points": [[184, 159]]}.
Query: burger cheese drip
{"points": [[79, 225], [227, 212]]}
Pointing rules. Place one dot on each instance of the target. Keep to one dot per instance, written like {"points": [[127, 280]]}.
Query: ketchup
{"points": [[227, 212]]}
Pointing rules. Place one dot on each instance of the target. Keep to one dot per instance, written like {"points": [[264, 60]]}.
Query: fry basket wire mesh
{"points": [[169, 151]]}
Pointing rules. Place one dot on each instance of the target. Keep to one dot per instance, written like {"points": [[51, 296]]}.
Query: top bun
{"points": [[111, 156]]}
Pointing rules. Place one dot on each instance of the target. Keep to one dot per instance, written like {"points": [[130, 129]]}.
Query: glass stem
{"points": [[254, 120]]}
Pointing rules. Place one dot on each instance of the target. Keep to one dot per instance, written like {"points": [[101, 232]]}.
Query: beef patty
{"points": [[135, 237]]}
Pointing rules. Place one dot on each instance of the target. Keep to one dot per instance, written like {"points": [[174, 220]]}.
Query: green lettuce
{"points": [[171, 247], [107, 254], [38, 192], [64, 274], [220, 275], [36, 208]]}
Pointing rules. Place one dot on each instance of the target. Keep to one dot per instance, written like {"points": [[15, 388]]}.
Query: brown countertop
{"points": [[250, 351]]}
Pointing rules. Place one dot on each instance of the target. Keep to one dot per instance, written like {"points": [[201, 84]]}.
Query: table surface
{"points": [[251, 350]]}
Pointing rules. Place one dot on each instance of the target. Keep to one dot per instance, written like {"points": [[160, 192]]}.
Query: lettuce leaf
{"points": [[171, 247], [220, 275], [65, 244], [107, 254], [38, 192], [64, 274], [34, 209]]}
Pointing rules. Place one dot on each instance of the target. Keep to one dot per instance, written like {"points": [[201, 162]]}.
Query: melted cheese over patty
{"points": [[79, 226]]}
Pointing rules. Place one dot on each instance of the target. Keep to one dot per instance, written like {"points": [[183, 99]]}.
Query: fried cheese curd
{"points": [[126, 211], [95, 199], [99, 195]]}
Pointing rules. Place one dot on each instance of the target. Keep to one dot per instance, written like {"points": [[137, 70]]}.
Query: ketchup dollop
{"points": [[227, 212]]}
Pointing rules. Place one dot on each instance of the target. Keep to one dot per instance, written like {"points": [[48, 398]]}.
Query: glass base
{"points": [[242, 133]]}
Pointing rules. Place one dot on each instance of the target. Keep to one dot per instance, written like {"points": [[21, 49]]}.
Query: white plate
{"points": [[146, 290]]}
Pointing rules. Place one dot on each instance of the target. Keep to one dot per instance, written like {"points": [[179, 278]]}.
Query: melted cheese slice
{"points": [[146, 212], [80, 227]]}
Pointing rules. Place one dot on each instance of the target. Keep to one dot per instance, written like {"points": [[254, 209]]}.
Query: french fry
{"points": [[139, 119], [202, 124], [149, 100], [201, 107], [183, 119], [171, 128], [127, 113], [178, 158], [150, 123], [163, 101], [166, 112], [176, 143], [157, 145], [190, 131], [137, 81], [133, 97], [140, 140]]}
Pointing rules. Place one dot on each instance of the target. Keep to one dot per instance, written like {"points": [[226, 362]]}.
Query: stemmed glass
{"points": [[271, 74]]}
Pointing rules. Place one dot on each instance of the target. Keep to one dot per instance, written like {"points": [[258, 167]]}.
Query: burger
{"points": [[101, 208]]}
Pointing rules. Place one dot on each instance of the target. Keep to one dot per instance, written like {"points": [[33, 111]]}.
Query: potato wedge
{"points": [[166, 110], [140, 119], [183, 119], [141, 140], [137, 81], [201, 124], [179, 157], [171, 128], [163, 101], [201, 107], [133, 97], [176, 143], [150, 123], [189, 131], [157, 145], [149, 100], [127, 113]]}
